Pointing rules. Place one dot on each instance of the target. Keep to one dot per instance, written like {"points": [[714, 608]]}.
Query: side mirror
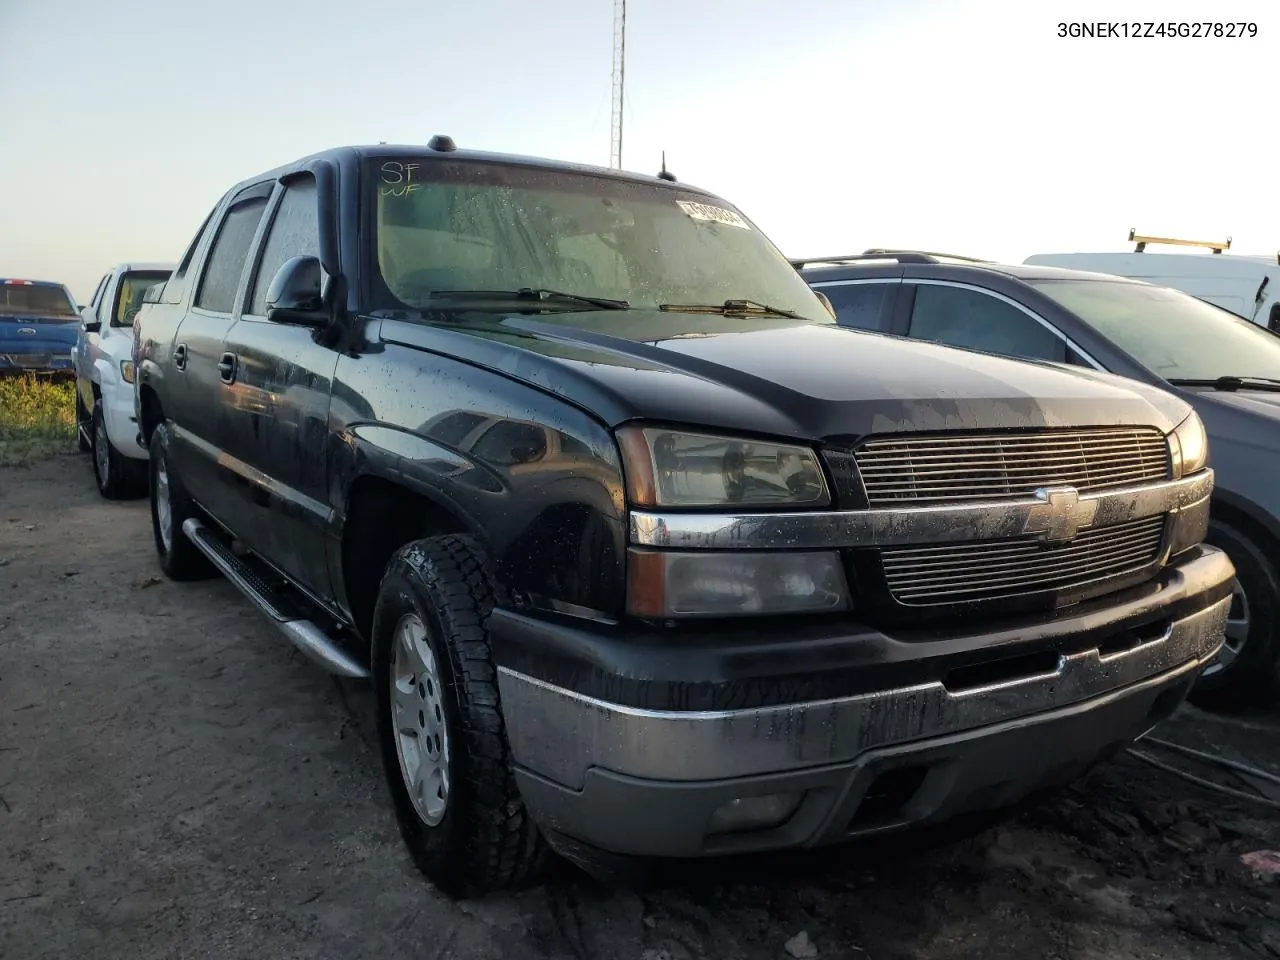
{"points": [[91, 323], [296, 294]]}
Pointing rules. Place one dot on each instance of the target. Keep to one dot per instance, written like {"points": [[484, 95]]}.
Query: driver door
{"points": [[277, 381]]}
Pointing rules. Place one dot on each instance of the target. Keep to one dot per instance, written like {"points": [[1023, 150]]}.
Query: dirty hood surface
{"points": [[778, 376]]}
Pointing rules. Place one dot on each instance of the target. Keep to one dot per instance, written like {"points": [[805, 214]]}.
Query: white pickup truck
{"points": [[103, 358]]}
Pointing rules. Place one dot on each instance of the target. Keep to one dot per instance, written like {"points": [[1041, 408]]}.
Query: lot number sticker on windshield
{"points": [[705, 211]]}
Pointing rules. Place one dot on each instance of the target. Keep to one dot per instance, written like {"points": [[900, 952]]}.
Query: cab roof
{"points": [[141, 265], [344, 155], [843, 268]]}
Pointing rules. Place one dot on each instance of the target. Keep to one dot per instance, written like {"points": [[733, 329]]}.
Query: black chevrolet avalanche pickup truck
{"points": [[646, 556]]}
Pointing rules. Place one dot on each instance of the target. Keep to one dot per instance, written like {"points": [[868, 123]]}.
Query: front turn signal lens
{"points": [[668, 585]]}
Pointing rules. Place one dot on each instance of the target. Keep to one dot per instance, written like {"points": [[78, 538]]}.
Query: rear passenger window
{"points": [[973, 320], [295, 232], [859, 305], [177, 282], [226, 259]]}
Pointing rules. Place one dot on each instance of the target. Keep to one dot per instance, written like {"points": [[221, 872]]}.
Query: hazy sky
{"points": [[835, 124]]}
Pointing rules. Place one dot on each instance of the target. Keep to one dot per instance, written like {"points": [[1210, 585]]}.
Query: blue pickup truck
{"points": [[38, 327]]}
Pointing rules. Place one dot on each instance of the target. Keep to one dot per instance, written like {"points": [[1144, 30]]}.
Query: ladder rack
{"points": [[1175, 242]]}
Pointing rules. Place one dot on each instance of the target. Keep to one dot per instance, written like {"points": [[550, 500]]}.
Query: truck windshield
{"points": [[1172, 334], [443, 225], [35, 300]]}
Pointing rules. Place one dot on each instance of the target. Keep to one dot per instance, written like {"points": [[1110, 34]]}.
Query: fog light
{"points": [[705, 584], [754, 813]]}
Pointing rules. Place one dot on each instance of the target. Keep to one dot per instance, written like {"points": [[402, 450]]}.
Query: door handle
{"points": [[227, 368], [180, 356]]}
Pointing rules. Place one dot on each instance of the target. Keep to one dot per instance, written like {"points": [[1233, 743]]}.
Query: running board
{"points": [[301, 632]]}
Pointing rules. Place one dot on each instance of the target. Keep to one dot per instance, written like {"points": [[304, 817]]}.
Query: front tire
{"points": [[440, 725], [170, 508], [118, 477], [1247, 670]]}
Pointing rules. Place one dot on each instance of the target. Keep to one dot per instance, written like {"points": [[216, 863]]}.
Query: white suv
{"points": [[103, 357]]}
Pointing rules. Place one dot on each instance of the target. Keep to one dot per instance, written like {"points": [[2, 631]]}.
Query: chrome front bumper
{"points": [[638, 781], [561, 735]]}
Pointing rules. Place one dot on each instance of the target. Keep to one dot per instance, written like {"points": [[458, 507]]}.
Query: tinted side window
{"points": [[1078, 359], [226, 259], [974, 320], [858, 305], [295, 232], [177, 282], [97, 294]]}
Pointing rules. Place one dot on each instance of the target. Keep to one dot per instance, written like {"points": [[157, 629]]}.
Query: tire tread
{"points": [[501, 846]]}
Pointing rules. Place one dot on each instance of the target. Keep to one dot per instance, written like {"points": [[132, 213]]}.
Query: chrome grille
{"points": [[998, 569], [976, 467]]}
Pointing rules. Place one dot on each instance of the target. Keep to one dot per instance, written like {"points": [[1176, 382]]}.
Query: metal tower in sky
{"points": [[619, 79]]}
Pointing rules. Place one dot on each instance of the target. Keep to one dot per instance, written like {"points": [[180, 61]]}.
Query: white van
{"points": [[1247, 286]]}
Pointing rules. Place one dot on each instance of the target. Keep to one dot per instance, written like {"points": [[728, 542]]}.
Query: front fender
{"points": [[402, 457], [553, 524]]}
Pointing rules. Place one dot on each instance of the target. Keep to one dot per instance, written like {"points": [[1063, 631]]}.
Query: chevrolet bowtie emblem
{"points": [[1059, 514]]}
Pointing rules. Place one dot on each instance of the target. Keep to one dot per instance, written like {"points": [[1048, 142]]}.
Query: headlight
{"points": [[695, 584], [1189, 447], [126, 370], [670, 468]]}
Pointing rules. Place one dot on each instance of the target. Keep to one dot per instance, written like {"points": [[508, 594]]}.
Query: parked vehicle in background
{"points": [[1247, 286], [1224, 366], [103, 357], [646, 556], [37, 327]]}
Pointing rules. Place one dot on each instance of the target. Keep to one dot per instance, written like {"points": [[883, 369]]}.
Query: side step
{"points": [[301, 632]]}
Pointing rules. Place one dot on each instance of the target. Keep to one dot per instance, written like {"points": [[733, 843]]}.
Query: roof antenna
{"points": [[664, 173]]}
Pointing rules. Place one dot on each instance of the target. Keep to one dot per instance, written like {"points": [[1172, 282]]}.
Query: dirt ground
{"points": [[176, 781]]}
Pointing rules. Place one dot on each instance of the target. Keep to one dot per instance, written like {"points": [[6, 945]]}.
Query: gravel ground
{"points": [[176, 781]]}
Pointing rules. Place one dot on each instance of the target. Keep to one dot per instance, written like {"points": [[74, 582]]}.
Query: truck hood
{"points": [[1261, 403], [47, 329], [776, 376], [1248, 420]]}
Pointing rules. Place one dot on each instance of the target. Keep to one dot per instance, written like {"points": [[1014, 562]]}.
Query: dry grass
{"points": [[37, 419]]}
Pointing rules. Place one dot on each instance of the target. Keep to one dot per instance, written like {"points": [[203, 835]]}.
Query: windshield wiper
{"points": [[730, 308], [1230, 383], [533, 294]]}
